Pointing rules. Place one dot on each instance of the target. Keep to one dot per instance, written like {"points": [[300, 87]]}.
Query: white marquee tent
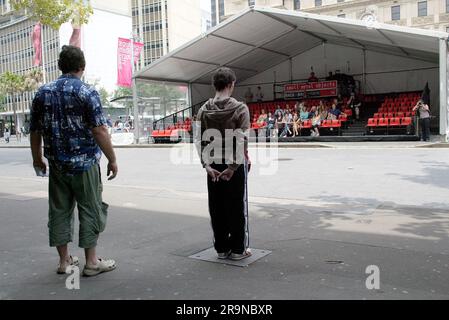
{"points": [[265, 46]]}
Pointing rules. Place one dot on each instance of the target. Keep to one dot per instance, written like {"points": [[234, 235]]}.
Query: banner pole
{"points": [[135, 102]]}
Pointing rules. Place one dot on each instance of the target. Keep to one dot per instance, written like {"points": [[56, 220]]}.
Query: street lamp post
{"points": [[134, 88]]}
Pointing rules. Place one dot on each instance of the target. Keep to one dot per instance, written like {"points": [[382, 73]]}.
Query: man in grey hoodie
{"points": [[221, 139]]}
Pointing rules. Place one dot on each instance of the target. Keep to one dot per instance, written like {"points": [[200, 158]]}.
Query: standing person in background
{"points": [[19, 134], [228, 169], [6, 134], [259, 94], [424, 119], [249, 96], [68, 115], [312, 77]]}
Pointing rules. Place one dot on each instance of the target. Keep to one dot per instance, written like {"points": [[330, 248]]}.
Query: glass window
{"points": [[251, 3], [221, 8], [447, 6], [422, 8], [340, 0], [342, 15], [297, 4], [318, 3], [396, 13]]}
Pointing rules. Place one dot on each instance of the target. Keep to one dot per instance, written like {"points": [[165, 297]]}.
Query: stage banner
{"points": [[306, 90], [124, 69]]}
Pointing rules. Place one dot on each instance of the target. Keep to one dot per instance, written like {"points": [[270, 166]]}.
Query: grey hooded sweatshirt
{"points": [[223, 119]]}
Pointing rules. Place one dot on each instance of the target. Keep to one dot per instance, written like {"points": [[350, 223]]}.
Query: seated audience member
{"points": [[279, 125], [271, 122], [323, 114], [316, 122], [296, 124], [312, 77], [287, 121], [303, 114], [262, 118], [322, 106], [334, 111], [312, 112], [330, 76], [278, 112], [298, 107]]}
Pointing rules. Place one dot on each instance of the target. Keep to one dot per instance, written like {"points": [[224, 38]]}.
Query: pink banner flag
{"points": [[124, 69], [37, 44], [75, 39]]}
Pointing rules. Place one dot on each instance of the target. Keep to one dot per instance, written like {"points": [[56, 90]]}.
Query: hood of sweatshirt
{"points": [[221, 109]]}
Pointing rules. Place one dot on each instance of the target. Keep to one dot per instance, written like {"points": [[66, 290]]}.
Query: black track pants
{"points": [[228, 208]]}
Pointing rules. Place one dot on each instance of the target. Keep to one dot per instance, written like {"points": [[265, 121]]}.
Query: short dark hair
{"points": [[222, 78], [71, 59]]}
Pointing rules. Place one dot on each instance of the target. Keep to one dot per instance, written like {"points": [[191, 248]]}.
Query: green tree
{"points": [[124, 92], [14, 85], [2, 102], [104, 96], [54, 13]]}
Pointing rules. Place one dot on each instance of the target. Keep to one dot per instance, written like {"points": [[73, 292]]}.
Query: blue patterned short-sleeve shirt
{"points": [[64, 112]]}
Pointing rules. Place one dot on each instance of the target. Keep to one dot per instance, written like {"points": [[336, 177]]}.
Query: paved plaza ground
{"points": [[325, 213]]}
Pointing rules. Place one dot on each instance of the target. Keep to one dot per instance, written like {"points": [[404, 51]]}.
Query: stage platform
{"points": [[367, 138]]}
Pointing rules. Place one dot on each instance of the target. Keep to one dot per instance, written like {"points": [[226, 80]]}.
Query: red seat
{"points": [[307, 124], [376, 115], [155, 133], [372, 122], [383, 122], [400, 115], [395, 122], [336, 124], [406, 121], [326, 124]]}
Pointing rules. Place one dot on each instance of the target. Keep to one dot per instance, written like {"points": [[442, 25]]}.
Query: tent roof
{"points": [[260, 38]]}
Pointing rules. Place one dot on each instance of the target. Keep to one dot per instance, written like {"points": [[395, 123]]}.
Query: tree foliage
{"points": [[54, 13]]}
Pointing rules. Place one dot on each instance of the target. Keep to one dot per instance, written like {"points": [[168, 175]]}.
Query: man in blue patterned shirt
{"points": [[67, 115]]}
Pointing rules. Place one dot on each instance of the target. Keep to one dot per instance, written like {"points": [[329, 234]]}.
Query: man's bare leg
{"points": [[63, 252], [91, 256]]}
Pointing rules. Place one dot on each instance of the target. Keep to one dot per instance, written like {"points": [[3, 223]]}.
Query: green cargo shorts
{"points": [[85, 191]]}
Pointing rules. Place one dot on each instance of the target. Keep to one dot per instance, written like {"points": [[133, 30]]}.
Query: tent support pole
{"points": [[190, 88], [364, 72], [443, 90], [136, 112], [290, 69]]}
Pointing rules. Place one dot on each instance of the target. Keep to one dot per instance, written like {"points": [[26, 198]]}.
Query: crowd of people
{"points": [[288, 122]]}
